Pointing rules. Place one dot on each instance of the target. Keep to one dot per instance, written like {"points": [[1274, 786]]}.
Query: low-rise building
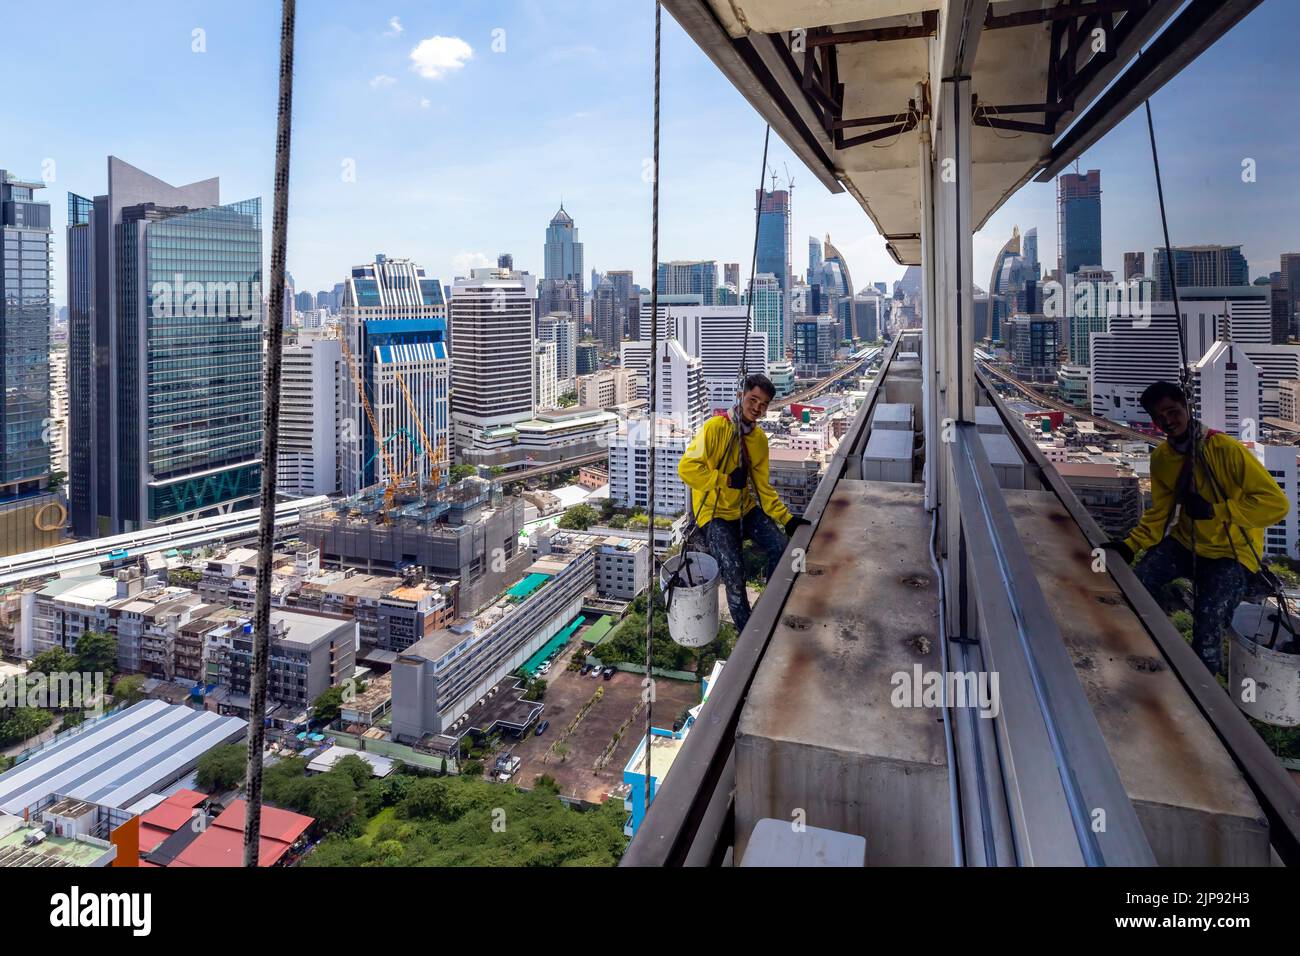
{"points": [[794, 474]]}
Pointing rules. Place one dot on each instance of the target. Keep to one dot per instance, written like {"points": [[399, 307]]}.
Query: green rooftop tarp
{"points": [[600, 630], [558, 641], [528, 585]]}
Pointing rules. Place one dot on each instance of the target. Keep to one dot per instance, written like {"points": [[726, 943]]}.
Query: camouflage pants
{"points": [[1220, 587], [726, 539]]}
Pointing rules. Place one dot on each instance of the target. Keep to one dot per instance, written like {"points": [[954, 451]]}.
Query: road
{"points": [[565, 465], [823, 383], [1041, 399]]}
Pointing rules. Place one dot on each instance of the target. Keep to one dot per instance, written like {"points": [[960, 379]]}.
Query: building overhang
{"points": [[846, 83]]}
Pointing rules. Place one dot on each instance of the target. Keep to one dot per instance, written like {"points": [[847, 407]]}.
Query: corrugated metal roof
{"points": [[120, 758]]}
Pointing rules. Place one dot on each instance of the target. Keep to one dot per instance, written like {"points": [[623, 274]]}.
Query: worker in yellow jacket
{"points": [[731, 497], [1231, 499]]}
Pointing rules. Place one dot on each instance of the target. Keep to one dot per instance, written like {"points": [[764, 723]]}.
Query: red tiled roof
{"points": [[224, 847], [283, 825]]}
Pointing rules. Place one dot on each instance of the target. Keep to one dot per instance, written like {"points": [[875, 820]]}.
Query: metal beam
{"points": [[1198, 27], [1057, 767]]}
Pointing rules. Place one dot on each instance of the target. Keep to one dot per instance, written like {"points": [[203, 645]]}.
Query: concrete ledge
{"points": [[818, 732], [1193, 803]]}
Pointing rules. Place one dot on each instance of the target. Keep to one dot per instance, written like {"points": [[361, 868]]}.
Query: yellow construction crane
{"points": [[390, 491], [437, 455]]}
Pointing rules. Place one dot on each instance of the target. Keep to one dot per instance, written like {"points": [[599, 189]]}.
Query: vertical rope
{"points": [[270, 444], [1185, 368], [654, 411]]}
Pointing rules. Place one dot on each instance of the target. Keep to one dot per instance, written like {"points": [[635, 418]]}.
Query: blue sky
{"points": [[470, 156]]}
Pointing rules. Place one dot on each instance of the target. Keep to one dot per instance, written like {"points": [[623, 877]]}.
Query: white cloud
{"points": [[394, 27], [381, 81], [424, 103], [463, 262], [435, 57]]}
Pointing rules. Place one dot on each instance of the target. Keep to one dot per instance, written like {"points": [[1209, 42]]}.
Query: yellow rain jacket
{"points": [[705, 470], [1254, 501]]}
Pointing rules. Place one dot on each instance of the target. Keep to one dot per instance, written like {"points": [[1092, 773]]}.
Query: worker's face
{"points": [[753, 404], [1170, 416]]}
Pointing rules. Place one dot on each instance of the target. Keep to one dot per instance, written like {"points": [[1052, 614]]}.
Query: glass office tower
{"points": [[165, 352]]}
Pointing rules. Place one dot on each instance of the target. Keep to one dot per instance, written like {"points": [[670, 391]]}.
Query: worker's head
{"points": [[755, 396], [1167, 406]]}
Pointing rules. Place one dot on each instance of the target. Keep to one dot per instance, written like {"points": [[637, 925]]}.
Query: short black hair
{"points": [[759, 380], [1158, 391]]}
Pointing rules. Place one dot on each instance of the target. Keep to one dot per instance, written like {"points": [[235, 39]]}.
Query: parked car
{"points": [[607, 673], [595, 672], [541, 728], [586, 669]]}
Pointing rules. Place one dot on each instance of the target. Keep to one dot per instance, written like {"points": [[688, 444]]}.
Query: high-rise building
{"points": [[1135, 265], [492, 352], [1290, 283], [837, 287], [680, 392], [815, 339], [713, 334], [606, 321], [304, 302], [563, 331], [587, 358], [1029, 244], [607, 388], [1034, 342], [59, 410], [867, 315], [773, 209], [814, 260], [1006, 282], [1199, 266], [562, 257], [1139, 348], [769, 320], [731, 274], [1078, 220], [544, 378], [624, 295], [25, 335], [165, 333], [557, 296], [311, 405], [394, 320], [506, 261], [695, 277], [629, 467]]}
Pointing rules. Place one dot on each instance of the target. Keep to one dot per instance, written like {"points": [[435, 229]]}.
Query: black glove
{"points": [[737, 478], [794, 523], [1198, 508], [1120, 548]]}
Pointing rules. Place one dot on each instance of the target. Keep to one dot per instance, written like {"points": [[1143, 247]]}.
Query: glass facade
{"points": [[199, 276], [25, 330]]}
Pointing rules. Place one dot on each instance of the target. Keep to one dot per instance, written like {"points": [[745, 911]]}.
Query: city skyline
{"points": [[411, 181]]}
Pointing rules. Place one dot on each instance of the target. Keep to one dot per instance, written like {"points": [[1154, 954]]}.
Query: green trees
{"points": [[222, 768], [97, 653], [129, 689], [460, 821], [23, 723], [55, 660], [579, 518], [461, 472]]}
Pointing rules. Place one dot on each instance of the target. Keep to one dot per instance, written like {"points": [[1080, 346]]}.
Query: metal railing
{"points": [[688, 820]]}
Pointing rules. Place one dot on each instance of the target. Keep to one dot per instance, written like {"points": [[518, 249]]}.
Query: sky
{"points": [[450, 132]]}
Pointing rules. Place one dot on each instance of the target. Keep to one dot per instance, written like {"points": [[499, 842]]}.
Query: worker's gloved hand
{"points": [[737, 478], [794, 523], [1198, 508], [1120, 548]]}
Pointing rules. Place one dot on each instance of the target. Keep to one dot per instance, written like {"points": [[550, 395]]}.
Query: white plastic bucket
{"points": [[693, 608], [1264, 683]]}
